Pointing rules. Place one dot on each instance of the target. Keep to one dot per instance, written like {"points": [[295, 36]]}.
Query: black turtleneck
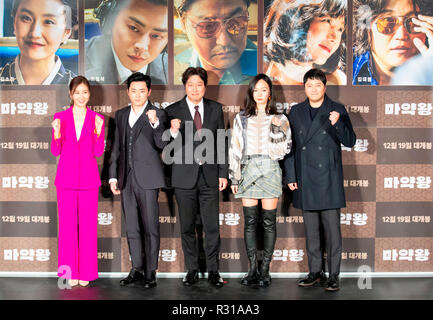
{"points": [[313, 111]]}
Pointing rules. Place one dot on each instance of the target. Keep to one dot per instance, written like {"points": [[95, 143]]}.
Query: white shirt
{"points": [[191, 107], [133, 117], [48, 80], [123, 72]]}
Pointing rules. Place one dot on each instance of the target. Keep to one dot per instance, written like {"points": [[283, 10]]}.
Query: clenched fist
{"points": [[175, 125], [276, 121], [56, 126], [151, 114], [98, 124], [293, 186], [333, 117]]}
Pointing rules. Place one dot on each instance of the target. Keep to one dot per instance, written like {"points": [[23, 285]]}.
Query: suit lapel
{"points": [[142, 121], [185, 110], [72, 122], [124, 121], [107, 63], [186, 115], [110, 69], [305, 121], [85, 124], [207, 110], [320, 120]]}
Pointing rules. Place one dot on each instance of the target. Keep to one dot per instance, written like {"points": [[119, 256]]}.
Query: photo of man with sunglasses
{"points": [[387, 33], [215, 35]]}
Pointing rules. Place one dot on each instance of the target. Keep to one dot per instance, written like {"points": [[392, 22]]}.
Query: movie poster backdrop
{"points": [[387, 224]]}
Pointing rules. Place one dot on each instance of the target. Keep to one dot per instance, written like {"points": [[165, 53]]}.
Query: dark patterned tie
{"points": [[197, 119]]}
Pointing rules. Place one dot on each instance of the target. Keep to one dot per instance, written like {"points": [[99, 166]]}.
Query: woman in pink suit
{"points": [[78, 137]]}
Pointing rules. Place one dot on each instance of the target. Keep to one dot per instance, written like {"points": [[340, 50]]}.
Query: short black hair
{"points": [[183, 5], [315, 74], [107, 11], [138, 77], [194, 71]]}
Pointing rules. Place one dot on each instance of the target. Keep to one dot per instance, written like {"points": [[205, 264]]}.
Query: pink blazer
{"points": [[77, 168]]}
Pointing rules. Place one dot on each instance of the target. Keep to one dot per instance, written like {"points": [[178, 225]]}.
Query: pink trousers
{"points": [[78, 234]]}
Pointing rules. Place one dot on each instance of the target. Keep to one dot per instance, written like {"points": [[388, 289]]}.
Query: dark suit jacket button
{"points": [[304, 148], [320, 148], [320, 165]]}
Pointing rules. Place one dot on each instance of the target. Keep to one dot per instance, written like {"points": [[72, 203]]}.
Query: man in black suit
{"points": [[314, 172], [136, 173], [198, 180]]}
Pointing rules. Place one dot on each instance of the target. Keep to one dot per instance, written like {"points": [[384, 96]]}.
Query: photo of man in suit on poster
{"points": [[219, 36], [123, 37]]}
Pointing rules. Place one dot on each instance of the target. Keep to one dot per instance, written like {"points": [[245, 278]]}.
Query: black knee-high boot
{"points": [[270, 236], [251, 215]]}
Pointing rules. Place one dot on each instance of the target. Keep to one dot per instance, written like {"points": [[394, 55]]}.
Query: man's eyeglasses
{"points": [[389, 25], [209, 28]]}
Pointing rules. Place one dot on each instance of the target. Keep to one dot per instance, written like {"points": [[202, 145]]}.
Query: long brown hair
{"points": [[250, 105], [75, 83]]}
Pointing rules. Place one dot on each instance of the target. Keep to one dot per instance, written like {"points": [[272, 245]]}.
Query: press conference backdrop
{"points": [[387, 224]]}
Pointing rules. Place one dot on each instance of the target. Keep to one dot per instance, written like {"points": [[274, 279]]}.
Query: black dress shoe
{"points": [[333, 284], [190, 278], [134, 276], [311, 279], [150, 281], [215, 279]]}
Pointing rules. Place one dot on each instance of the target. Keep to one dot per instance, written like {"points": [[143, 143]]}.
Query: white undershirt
{"points": [[133, 117]]}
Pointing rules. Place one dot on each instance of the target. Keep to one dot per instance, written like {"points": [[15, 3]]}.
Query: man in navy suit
{"points": [[314, 172], [197, 182], [136, 173]]}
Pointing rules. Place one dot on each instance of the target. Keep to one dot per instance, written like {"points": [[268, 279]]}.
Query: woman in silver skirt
{"points": [[260, 137]]}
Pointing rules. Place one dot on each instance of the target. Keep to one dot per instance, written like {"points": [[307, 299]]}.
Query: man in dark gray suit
{"points": [[136, 173], [135, 39], [314, 171]]}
